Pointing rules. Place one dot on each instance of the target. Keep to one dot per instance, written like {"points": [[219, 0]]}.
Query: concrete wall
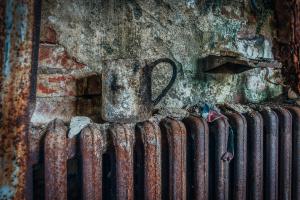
{"points": [[77, 35]]}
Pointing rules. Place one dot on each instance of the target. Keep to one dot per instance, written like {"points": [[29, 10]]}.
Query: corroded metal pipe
{"points": [[19, 36], [285, 153], [295, 111], [197, 150], [123, 141], [176, 142], [55, 154], [255, 156], [151, 137], [218, 186], [92, 147], [270, 154], [238, 178]]}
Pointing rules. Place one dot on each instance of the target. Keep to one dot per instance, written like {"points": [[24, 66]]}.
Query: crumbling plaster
{"points": [[183, 30]]}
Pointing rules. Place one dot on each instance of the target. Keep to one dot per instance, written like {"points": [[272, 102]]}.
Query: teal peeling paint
{"points": [[22, 12], [6, 192], [8, 30]]}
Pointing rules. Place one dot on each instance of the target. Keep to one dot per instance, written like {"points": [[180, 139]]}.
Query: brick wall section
{"points": [[62, 90]]}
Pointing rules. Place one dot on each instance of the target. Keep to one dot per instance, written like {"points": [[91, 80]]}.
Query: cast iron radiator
{"points": [[171, 159]]}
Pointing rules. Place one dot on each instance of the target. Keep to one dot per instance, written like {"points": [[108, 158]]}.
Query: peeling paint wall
{"points": [[78, 35]]}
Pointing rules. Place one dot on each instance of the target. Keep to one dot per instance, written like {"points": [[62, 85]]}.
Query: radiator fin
{"points": [[172, 159]]}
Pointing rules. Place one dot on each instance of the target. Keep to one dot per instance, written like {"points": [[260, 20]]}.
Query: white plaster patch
{"points": [[190, 3]]}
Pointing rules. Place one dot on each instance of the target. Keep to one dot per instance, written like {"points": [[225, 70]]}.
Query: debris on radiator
{"points": [[207, 111], [77, 124]]}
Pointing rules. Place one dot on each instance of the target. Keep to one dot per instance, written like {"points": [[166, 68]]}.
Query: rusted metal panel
{"points": [[219, 168], [285, 153], [270, 121], [197, 166], [295, 111], [176, 136], [238, 178], [151, 137], [55, 156], [19, 35], [123, 140], [255, 155], [92, 146]]}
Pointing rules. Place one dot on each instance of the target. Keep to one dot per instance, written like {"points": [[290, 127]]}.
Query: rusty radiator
{"points": [[171, 159]]}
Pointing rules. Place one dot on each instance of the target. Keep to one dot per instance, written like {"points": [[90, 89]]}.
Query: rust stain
{"points": [[17, 89]]}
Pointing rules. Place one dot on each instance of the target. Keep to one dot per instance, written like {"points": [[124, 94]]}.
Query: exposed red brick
{"points": [[48, 35], [54, 56], [60, 84], [44, 89], [45, 52], [60, 78]]}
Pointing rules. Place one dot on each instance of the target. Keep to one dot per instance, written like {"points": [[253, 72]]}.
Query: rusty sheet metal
{"points": [[92, 146], [285, 153], [270, 121], [295, 111], [150, 134], [55, 156], [219, 168], [176, 136], [255, 155], [197, 149], [19, 35], [123, 141], [238, 165]]}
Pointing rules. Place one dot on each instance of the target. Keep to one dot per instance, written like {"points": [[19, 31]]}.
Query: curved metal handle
{"points": [[172, 80]]}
